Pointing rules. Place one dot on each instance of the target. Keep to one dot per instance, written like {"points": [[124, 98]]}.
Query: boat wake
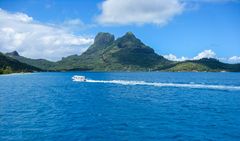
{"points": [[157, 84]]}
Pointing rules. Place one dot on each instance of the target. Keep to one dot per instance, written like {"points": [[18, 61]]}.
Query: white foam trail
{"points": [[157, 84]]}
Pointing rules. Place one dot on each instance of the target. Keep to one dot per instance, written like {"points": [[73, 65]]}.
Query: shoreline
{"points": [[16, 73], [24, 73]]}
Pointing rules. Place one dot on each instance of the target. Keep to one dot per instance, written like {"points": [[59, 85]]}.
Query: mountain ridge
{"points": [[42, 64], [126, 53], [10, 65]]}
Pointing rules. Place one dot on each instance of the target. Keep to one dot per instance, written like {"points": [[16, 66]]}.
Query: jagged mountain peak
{"points": [[129, 35], [14, 53], [103, 39], [129, 40]]}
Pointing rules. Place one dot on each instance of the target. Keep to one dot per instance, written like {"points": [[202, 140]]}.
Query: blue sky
{"points": [[182, 28]]}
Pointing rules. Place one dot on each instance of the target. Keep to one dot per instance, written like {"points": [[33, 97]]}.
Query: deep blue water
{"points": [[50, 106]]}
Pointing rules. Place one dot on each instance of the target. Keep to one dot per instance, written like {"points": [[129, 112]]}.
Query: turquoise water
{"points": [[120, 106]]}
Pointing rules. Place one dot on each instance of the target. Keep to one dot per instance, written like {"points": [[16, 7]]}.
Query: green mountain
{"points": [[10, 65], [204, 65], [107, 54], [39, 63], [126, 53]]}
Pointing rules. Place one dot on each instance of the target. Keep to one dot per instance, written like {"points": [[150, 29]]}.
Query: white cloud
{"points": [[232, 60], [75, 22], [139, 12], [124, 12], [235, 59], [174, 58], [204, 54], [32, 39], [75, 25]]}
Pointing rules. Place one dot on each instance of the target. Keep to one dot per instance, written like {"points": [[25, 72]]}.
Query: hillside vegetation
{"points": [[10, 65]]}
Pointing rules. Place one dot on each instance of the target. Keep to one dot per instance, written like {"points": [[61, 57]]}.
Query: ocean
{"points": [[120, 106]]}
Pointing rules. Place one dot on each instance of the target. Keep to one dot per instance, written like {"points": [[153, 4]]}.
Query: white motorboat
{"points": [[79, 78]]}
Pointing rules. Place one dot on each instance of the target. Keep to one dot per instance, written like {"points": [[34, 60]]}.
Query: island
{"points": [[126, 53]]}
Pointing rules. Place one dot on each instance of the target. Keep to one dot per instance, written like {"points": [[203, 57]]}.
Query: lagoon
{"points": [[120, 106]]}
